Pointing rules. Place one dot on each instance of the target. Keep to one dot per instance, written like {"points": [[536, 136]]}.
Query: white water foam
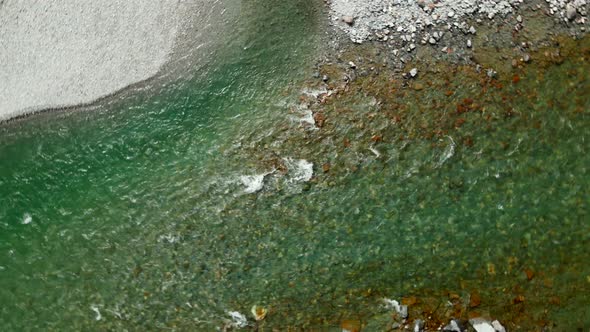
{"points": [[253, 183], [238, 319], [304, 116], [448, 153], [300, 170], [27, 219], [95, 309], [315, 92]]}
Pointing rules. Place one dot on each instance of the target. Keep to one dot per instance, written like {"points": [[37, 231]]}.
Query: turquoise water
{"points": [[136, 210]]}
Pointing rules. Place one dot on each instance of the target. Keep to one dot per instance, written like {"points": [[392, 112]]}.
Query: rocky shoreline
{"points": [[456, 86], [407, 24], [438, 29]]}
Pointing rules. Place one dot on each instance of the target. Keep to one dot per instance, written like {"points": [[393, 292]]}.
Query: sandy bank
{"points": [[63, 53]]}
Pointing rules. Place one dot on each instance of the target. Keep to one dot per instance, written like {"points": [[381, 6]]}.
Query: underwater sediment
{"points": [[279, 191]]}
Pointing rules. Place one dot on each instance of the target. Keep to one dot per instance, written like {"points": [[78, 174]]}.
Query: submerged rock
{"points": [[482, 325], [498, 327], [454, 326], [402, 310], [418, 325], [259, 312]]}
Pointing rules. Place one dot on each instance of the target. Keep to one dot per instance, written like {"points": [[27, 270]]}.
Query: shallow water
{"points": [[136, 215]]}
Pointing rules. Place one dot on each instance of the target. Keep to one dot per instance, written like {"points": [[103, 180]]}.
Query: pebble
{"points": [[413, 72], [453, 326], [469, 43], [432, 41], [348, 19], [519, 19], [491, 73], [498, 327], [481, 325], [418, 325], [570, 12], [472, 30], [526, 58]]}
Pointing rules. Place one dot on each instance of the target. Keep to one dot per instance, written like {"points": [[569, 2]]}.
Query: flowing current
{"points": [[148, 211]]}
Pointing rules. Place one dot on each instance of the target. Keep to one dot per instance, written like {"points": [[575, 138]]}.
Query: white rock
{"points": [[498, 327], [413, 72], [481, 325], [570, 12], [526, 58], [402, 310], [348, 19], [418, 325], [452, 327], [491, 73]]}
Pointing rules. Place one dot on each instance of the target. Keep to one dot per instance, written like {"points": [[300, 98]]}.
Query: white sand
{"points": [[61, 53]]}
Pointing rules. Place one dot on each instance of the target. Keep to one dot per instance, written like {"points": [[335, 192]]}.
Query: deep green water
{"points": [[136, 208]]}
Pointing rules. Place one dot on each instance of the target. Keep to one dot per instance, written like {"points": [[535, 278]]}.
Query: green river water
{"points": [[137, 209]]}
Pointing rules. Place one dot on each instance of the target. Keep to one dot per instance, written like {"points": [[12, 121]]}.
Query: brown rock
{"points": [[376, 138], [346, 143], [320, 119], [411, 300], [474, 300], [459, 122], [351, 325], [518, 299]]}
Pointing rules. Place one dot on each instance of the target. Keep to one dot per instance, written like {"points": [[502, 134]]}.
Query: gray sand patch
{"points": [[61, 53]]}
